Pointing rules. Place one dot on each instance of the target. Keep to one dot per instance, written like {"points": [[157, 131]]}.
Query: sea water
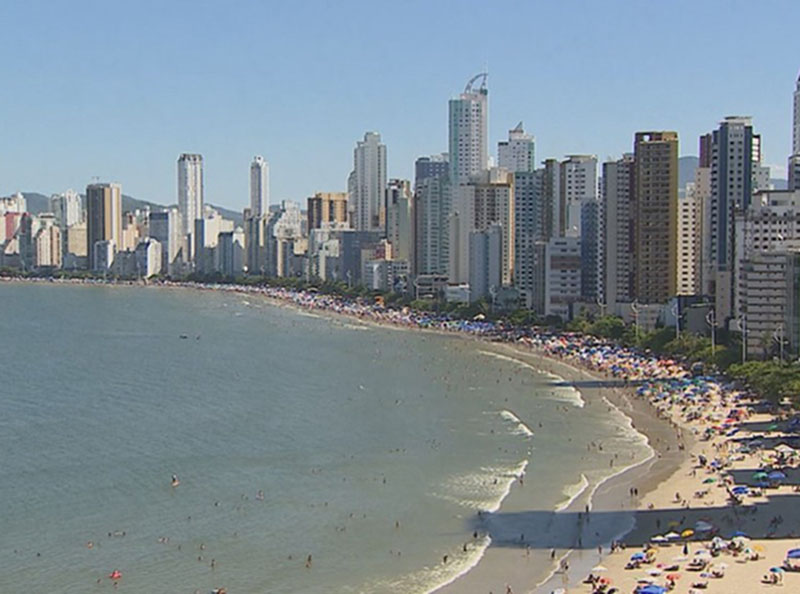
{"points": [[314, 453]]}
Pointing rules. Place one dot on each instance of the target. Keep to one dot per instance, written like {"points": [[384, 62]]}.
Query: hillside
{"points": [[38, 203]]}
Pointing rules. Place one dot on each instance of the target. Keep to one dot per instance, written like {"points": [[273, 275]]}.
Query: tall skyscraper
{"points": [[190, 197], [655, 216], [259, 186], [103, 217], [469, 128], [431, 212], [517, 153], [735, 156], [689, 219], [367, 183], [616, 198]]}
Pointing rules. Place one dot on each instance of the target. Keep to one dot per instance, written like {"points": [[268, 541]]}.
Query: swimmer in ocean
{"points": [[175, 481]]}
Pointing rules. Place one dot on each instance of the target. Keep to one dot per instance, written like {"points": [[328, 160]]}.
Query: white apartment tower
{"points": [[190, 197], [469, 127], [367, 183], [517, 153], [259, 186]]}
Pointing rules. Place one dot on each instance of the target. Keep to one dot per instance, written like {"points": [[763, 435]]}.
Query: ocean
{"points": [[315, 454]]}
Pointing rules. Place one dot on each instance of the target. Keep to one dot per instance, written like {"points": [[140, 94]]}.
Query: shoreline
{"points": [[494, 564]]}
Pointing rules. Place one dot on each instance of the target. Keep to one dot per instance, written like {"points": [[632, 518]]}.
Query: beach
{"points": [[699, 433]]}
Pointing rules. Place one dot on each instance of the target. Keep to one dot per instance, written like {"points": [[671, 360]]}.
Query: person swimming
{"points": [[175, 481]]}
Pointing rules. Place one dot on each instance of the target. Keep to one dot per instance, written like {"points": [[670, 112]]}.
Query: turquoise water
{"points": [[374, 448]]}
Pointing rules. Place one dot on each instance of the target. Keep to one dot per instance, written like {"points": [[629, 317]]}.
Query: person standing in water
{"points": [[175, 481]]}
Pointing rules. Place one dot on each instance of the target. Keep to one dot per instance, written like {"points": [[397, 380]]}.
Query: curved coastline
{"points": [[543, 363]]}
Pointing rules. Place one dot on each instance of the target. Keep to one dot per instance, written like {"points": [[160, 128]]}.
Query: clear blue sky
{"points": [[119, 89]]}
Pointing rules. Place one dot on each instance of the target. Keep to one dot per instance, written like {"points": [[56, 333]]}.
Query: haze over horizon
{"points": [[301, 84]]}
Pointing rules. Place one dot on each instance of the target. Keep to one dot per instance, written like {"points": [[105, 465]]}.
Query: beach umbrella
{"points": [[776, 569], [599, 568], [672, 535], [652, 589], [740, 490], [793, 554], [760, 475], [709, 480], [638, 556], [659, 538], [687, 533], [739, 533], [776, 475]]}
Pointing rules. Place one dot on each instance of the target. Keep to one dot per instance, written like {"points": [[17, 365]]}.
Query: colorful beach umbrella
{"points": [[687, 533], [793, 554]]}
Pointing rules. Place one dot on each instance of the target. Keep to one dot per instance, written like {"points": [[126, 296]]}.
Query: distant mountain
{"points": [[686, 167], [38, 203]]}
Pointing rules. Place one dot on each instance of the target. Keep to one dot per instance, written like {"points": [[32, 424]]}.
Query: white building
{"points": [[148, 258], [190, 198], [579, 185], [689, 228], [67, 208], [517, 153], [468, 132], [164, 227], [259, 186], [562, 276], [103, 253], [15, 203], [764, 288], [366, 184]]}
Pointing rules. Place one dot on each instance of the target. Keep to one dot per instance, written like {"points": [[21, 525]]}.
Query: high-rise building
{"points": [[432, 203], [655, 216], [487, 200], [485, 262], [532, 227], [164, 227], [327, 208], [259, 186], [517, 153], [617, 240], [67, 208], [689, 229], [578, 179], [190, 198], [400, 219], [735, 154], [47, 243], [591, 251], [553, 199], [794, 158], [103, 218], [469, 127], [367, 183]]}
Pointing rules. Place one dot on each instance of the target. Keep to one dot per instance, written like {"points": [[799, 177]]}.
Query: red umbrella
{"points": [[673, 576]]}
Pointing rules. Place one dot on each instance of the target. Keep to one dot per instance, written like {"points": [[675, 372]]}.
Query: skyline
{"points": [[582, 88]]}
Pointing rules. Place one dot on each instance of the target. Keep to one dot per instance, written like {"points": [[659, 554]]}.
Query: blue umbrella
{"points": [[637, 556], [740, 490], [793, 554], [776, 475], [739, 533], [652, 589]]}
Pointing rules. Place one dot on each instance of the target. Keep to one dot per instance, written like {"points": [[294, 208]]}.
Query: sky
{"points": [[118, 90]]}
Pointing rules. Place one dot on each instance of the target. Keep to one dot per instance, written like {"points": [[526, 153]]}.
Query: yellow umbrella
{"points": [[687, 533]]}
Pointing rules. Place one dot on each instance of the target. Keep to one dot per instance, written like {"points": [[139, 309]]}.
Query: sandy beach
{"points": [[716, 494]]}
